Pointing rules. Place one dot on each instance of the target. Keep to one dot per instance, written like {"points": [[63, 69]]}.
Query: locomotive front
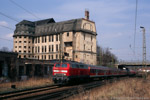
{"points": [[61, 73]]}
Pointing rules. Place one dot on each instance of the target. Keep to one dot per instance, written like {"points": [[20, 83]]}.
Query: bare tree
{"points": [[105, 57], [4, 49]]}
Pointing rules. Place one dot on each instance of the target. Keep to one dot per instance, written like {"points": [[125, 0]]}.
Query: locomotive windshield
{"points": [[64, 65], [59, 65]]}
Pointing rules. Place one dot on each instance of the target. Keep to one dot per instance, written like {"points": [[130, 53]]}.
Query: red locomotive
{"points": [[73, 71]]}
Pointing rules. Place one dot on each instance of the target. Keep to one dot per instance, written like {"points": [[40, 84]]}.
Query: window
{"points": [[15, 41], [20, 51], [19, 36], [24, 46], [52, 38], [35, 49], [81, 66], [38, 49], [57, 65], [84, 36], [49, 38], [49, 48], [29, 41], [29, 47], [45, 39], [52, 56], [45, 57], [56, 56], [29, 51], [52, 48], [24, 51], [38, 39], [42, 39], [75, 66], [15, 46], [76, 56], [64, 65], [84, 46], [45, 48], [91, 38], [56, 37], [19, 41], [42, 49], [19, 46], [49, 57], [24, 56], [56, 47], [42, 56], [91, 48], [67, 33], [19, 56], [24, 36], [68, 44], [25, 41]]}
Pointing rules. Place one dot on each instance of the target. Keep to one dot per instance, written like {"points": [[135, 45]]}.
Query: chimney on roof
{"points": [[87, 14]]}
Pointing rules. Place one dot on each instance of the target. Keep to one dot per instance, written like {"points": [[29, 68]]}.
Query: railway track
{"points": [[65, 92], [52, 92], [18, 93]]}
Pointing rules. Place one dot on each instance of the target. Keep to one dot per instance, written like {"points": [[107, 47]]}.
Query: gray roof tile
{"points": [[49, 26]]}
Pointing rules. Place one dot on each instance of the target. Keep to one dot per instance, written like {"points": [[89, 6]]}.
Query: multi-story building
{"points": [[46, 39]]}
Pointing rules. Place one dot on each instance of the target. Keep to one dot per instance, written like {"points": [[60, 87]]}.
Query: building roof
{"points": [[45, 21], [49, 26], [25, 22], [54, 28]]}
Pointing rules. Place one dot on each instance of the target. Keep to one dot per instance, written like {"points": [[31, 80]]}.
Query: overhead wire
{"points": [[9, 17], [24, 9], [7, 27]]}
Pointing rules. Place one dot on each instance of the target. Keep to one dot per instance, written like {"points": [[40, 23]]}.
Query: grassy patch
{"points": [[31, 83], [128, 89]]}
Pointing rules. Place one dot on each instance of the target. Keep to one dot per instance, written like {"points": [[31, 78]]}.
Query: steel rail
{"points": [[26, 91]]}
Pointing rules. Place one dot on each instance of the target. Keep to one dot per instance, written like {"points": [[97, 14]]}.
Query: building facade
{"points": [[73, 40]]}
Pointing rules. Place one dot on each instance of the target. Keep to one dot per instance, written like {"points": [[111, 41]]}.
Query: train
{"points": [[67, 72]]}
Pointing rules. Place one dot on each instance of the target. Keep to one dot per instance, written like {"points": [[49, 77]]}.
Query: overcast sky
{"points": [[115, 21]]}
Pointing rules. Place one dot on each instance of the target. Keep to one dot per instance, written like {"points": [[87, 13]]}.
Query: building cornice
{"points": [[55, 33], [84, 51]]}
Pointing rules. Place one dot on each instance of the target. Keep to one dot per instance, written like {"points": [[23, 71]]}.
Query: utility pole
{"points": [[144, 48]]}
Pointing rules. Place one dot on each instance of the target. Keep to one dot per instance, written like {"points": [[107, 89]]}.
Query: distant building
{"points": [[13, 68], [43, 39], [8, 64]]}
